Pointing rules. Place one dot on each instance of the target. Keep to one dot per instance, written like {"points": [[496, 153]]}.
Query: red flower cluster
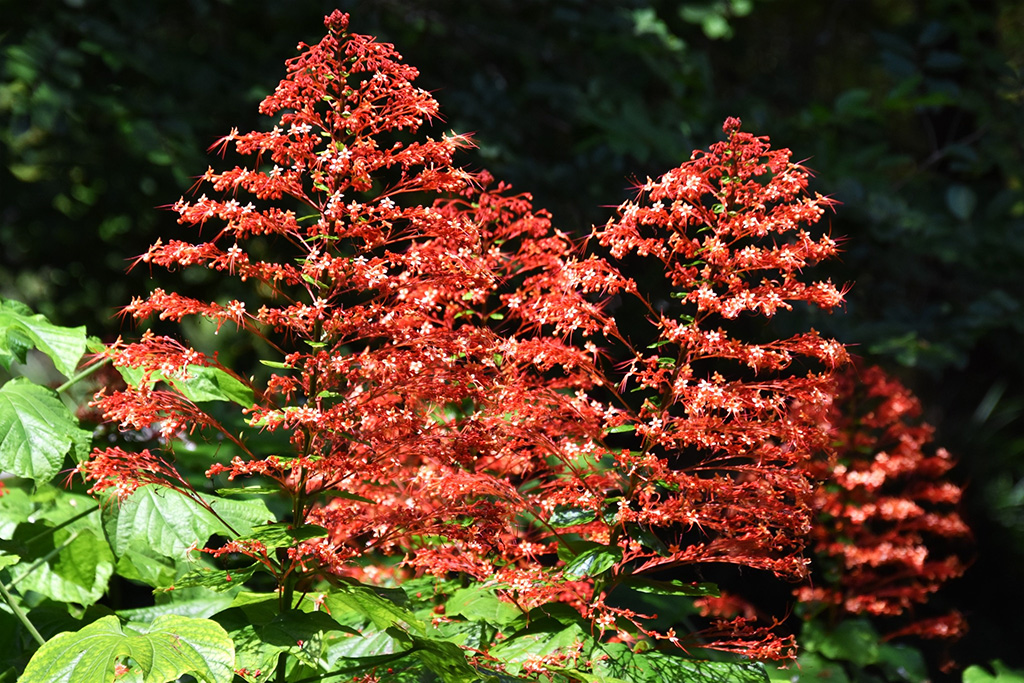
{"points": [[457, 385], [888, 532]]}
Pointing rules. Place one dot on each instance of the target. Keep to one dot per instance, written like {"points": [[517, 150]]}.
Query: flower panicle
{"points": [[890, 500], [442, 359]]}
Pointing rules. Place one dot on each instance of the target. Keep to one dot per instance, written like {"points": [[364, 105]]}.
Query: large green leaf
{"points": [[36, 431], [654, 666], [139, 563], [481, 604], [354, 653], [813, 668], [186, 602], [1003, 674], [593, 562], [205, 383], [364, 601], [65, 565], [15, 507], [445, 659], [169, 522], [853, 640], [21, 330], [260, 633], [169, 647], [539, 642]]}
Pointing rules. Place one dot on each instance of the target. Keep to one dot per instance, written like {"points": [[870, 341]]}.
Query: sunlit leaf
{"points": [[168, 648], [592, 562], [204, 383], [481, 604], [540, 643], [563, 517], [170, 522], [36, 431], [282, 535], [363, 600], [20, 329]]}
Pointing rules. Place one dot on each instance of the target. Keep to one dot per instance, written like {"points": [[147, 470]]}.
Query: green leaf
{"points": [[213, 384], [537, 643], [169, 522], [620, 429], [563, 517], [1003, 674], [19, 328], [168, 648], [362, 649], [308, 278], [645, 585], [902, 662], [593, 562], [14, 346], [258, 608], [852, 640], [812, 668], [281, 535], [961, 201], [654, 666], [445, 659], [577, 675], [217, 580], [197, 603], [205, 383], [481, 604], [249, 491], [36, 431], [364, 601], [473, 635], [62, 511], [261, 632], [567, 552], [139, 563], [15, 507], [72, 566]]}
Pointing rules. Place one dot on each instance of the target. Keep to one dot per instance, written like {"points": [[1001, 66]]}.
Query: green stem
{"points": [[82, 375], [22, 617], [282, 661]]}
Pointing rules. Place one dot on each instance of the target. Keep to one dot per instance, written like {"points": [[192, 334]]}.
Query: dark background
{"points": [[909, 111]]}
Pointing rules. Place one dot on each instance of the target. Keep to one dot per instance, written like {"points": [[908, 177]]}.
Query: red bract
{"points": [[888, 534], [450, 374]]}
